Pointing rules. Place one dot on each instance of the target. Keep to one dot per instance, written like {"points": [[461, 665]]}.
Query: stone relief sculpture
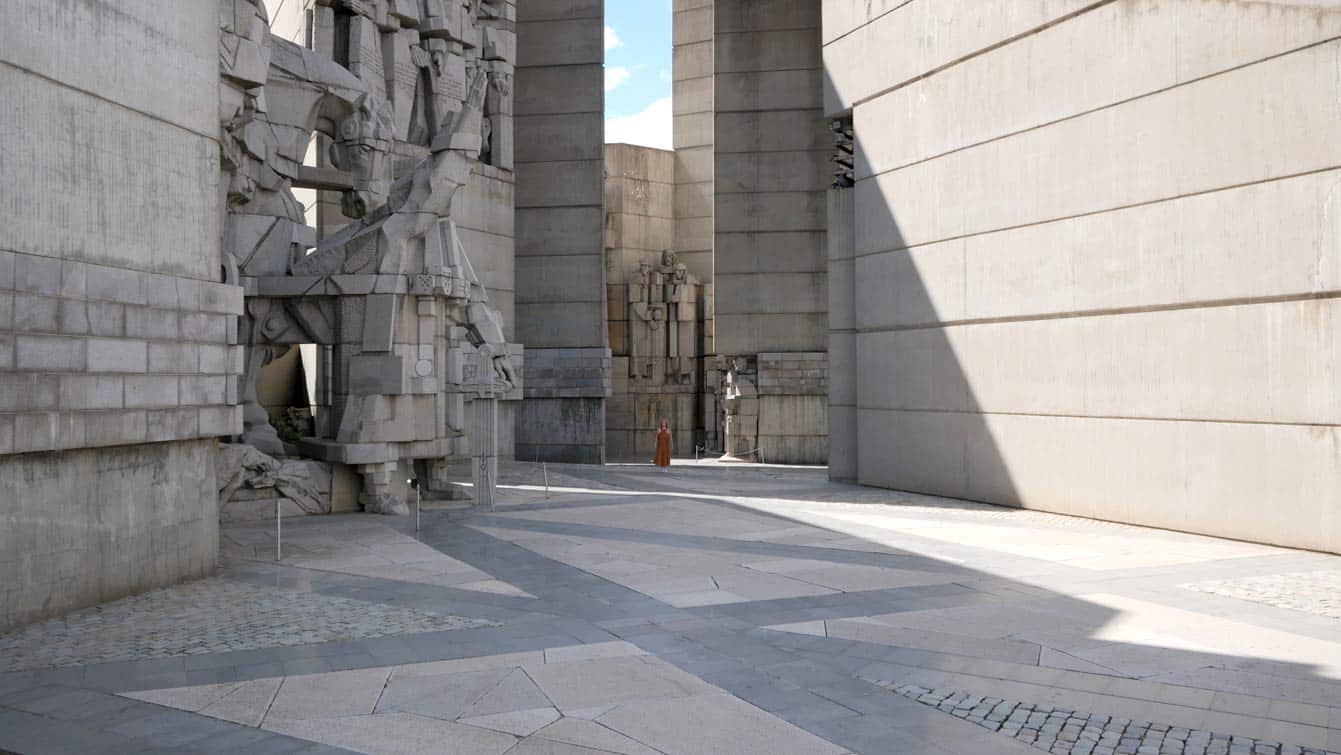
{"points": [[663, 317], [391, 299]]}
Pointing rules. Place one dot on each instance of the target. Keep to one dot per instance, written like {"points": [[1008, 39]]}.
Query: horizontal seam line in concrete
{"points": [[1112, 311], [825, 150], [1104, 211], [600, 160], [529, 253], [866, 23], [77, 261], [1099, 109], [119, 105], [808, 273], [817, 108], [719, 73], [1132, 418], [977, 53], [723, 192], [743, 32], [548, 113], [591, 206], [584, 64]]}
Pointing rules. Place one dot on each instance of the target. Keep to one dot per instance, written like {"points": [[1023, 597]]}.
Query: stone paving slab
{"points": [[1071, 732], [637, 611], [206, 617], [609, 697]]}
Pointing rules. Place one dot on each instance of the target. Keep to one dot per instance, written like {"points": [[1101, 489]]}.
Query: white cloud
{"points": [[650, 128], [612, 40], [615, 76]]}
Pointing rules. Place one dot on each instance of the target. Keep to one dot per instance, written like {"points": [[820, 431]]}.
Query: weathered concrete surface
{"points": [[560, 286], [85, 526], [1106, 287], [692, 104], [114, 334], [770, 171]]}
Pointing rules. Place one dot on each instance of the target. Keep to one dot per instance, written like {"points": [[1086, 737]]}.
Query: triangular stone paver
{"points": [[522, 723]]}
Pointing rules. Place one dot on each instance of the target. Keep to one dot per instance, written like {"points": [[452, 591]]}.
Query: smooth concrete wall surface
{"points": [[1094, 258], [559, 267], [118, 356], [692, 107], [86, 526], [770, 174]]}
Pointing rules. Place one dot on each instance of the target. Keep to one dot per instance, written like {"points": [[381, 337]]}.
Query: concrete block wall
{"points": [[692, 108], [117, 358], [639, 211], [1092, 257], [771, 150], [639, 222], [560, 282]]}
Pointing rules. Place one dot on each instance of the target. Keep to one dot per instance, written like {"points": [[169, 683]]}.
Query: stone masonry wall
{"points": [[117, 356], [1095, 264]]}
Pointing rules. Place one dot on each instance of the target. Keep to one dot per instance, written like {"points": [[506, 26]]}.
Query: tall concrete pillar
{"points": [[560, 284], [770, 177], [843, 374], [692, 87]]}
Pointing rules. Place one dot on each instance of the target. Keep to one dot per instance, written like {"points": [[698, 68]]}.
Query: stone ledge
{"points": [[83, 281], [34, 432]]}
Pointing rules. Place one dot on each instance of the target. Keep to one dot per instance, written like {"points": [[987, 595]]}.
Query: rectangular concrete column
{"points": [[560, 283], [770, 175], [843, 374], [692, 67]]}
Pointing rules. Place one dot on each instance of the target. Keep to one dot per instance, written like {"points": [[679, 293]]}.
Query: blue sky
{"points": [[638, 72]]}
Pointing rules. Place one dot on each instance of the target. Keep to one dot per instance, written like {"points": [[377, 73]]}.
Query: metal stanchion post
{"points": [[418, 498], [545, 468]]}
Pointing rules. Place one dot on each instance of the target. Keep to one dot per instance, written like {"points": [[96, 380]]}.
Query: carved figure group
{"points": [[663, 306], [391, 299]]}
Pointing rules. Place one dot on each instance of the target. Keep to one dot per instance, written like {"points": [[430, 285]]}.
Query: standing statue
{"points": [[663, 317]]}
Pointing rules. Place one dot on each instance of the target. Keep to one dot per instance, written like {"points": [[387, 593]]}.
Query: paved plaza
{"points": [[707, 609]]}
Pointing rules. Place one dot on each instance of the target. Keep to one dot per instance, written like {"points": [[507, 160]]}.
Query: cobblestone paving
{"points": [[208, 616], [1059, 730], [1317, 592]]}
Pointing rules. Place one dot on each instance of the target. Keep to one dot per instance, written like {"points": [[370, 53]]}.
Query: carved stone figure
{"points": [[391, 300], [244, 467], [663, 321]]}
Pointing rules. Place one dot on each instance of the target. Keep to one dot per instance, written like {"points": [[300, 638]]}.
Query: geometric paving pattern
{"points": [[208, 616], [1071, 732], [602, 697], [704, 609]]}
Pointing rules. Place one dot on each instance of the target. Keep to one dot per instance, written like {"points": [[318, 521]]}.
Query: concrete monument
{"points": [[391, 300]]}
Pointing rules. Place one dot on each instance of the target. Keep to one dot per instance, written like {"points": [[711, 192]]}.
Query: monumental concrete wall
{"points": [[560, 285], [691, 104], [658, 365], [1096, 257], [770, 173], [117, 363]]}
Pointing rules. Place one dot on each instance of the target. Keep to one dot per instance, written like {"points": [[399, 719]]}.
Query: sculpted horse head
{"points": [[308, 93], [361, 146]]}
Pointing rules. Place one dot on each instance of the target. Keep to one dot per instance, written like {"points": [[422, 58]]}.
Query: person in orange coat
{"points": [[663, 446]]}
